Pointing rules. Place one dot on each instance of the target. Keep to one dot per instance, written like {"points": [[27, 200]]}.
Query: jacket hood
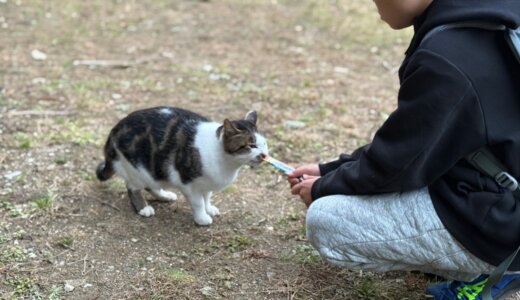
{"points": [[440, 12]]}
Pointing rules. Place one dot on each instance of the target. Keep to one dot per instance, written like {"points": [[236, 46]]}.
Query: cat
{"points": [[159, 148]]}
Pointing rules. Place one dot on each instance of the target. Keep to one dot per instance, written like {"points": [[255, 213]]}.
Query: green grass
{"points": [[179, 276], [303, 255], [73, 132], [23, 140], [45, 202], [12, 254], [238, 243], [367, 289], [55, 293], [66, 242], [24, 288], [9, 206]]}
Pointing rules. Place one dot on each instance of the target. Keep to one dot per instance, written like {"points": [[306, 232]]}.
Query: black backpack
{"points": [[483, 159]]}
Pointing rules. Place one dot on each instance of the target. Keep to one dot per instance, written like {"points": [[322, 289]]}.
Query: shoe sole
{"points": [[508, 291]]}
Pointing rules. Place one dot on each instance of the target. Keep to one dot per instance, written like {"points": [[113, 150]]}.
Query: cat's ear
{"points": [[251, 117], [229, 128]]}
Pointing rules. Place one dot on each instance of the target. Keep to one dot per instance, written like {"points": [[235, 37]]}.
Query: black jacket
{"points": [[460, 90]]}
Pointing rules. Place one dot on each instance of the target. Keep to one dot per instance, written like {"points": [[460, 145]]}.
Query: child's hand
{"points": [[304, 188], [295, 176]]}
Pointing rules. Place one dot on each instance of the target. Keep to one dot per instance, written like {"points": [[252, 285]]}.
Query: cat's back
{"points": [[154, 122], [146, 137], [158, 117]]}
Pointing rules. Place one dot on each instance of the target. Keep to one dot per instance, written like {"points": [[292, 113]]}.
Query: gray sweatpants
{"points": [[388, 232]]}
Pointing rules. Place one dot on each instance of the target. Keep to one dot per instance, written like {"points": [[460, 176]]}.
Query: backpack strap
{"points": [[486, 162], [514, 41], [469, 24], [512, 34]]}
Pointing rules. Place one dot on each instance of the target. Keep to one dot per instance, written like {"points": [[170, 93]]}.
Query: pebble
{"points": [[293, 124], [341, 70], [68, 287], [12, 175], [38, 55]]}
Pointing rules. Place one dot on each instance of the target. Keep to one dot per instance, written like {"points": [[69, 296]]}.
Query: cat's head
{"points": [[241, 139]]}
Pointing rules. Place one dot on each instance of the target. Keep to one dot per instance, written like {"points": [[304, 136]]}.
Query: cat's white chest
{"points": [[218, 172]]}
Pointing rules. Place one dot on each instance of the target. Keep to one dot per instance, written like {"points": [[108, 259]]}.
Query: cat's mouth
{"points": [[257, 160]]}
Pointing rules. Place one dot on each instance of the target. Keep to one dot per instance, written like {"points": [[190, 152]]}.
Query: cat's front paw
{"points": [[164, 195], [212, 210], [147, 211], [203, 219]]}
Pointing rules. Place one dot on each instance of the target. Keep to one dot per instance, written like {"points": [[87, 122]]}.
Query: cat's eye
{"points": [[252, 146]]}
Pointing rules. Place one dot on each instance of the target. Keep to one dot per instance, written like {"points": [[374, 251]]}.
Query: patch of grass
{"points": [[179, 276], [238, 243], [367, 289], [60, 160], [24, 288], [9, 206], [45, 202], [73, 132], [66, 242], [224, 278], [12, 254], [87, 176], [230, 189], [4, 238], [23, 140], [21, 179], [116, 185], [55, 293], [304, 255]]}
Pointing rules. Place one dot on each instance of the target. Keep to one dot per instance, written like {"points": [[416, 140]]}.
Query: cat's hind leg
{"points": [[210, 209], [141, 206], [162, 195]]}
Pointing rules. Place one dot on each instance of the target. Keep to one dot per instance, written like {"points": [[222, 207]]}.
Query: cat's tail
{"points": [[105, 169]]}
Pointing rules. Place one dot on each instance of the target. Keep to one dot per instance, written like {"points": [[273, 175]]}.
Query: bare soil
{"points": [[320, 74]]}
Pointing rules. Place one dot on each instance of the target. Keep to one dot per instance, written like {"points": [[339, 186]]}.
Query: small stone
{"points": [[122, 107], [270, 275], [39, 80], [116, 96], [134, 240], [207, 68], [68, 287], [341, 70], [12, 175], [214, 77], [38, 55], [293, 124], [168, 54]]}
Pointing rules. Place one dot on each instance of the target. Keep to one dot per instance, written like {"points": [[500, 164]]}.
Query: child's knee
{"points": [[316, 222]]}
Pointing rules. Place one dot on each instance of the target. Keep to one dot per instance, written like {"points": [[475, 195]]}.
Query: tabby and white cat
{"points": [[160, 148]]}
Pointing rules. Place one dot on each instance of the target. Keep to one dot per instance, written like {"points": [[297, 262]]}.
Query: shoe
{"points": [[459, 290]]}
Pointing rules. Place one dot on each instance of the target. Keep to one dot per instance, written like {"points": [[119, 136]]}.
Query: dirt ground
{"points": [[320, 74]]}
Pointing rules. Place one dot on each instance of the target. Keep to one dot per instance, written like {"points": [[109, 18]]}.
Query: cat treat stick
{"points": [[280, 166]]}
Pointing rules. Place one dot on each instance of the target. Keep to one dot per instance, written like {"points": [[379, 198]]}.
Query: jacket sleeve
{"points": [[438, 121]]}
